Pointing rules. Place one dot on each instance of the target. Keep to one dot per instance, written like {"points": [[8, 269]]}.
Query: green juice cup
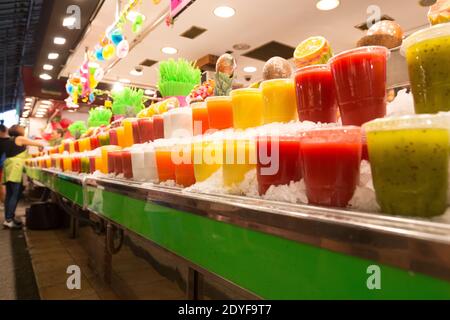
{"points": [[428, 56], [409, 157]]}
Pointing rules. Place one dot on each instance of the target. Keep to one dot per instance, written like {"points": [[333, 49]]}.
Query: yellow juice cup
{"points": [[61, 149], [86, 143], [105, 151], [98, 163], [72, 147], [248, 108], [67, 163], [239, 157], [128, 132], [280, 104], [121, 136], [207, 157]]}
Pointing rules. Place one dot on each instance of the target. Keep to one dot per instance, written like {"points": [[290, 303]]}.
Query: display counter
{"points": [[271, 249]]}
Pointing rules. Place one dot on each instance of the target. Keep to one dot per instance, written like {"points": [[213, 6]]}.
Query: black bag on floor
{"points": [[44, 216]]}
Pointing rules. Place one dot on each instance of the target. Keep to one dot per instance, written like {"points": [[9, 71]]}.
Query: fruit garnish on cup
{"points": [[314, 50], [439, 12]]}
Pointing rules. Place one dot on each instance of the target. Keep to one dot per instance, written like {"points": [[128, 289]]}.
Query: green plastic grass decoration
{"points": [[99, 117], [77, 129], [127, 102], [178, 77]]}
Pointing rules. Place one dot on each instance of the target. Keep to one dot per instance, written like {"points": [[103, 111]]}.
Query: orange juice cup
{"points": [[200, 118], [128, 132], [247, 108], [164, 163], [121, 136], [280, 101], [182, 156], [220, 112]]}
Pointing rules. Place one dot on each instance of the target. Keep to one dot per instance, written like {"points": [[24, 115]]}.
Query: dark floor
{"points": [[17, 280]]}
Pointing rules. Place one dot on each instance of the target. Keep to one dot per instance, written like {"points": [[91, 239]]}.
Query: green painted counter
{"points": [[269, 266]]}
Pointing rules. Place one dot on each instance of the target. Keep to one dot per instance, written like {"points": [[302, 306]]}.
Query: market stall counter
{"points": [[271, 249]]}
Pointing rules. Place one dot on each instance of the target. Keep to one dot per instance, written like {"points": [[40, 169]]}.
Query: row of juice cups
{"points": [[357, 76], [409, 158]]}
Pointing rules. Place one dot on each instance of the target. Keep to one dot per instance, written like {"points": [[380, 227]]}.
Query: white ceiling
{"points": [[256, 22]]}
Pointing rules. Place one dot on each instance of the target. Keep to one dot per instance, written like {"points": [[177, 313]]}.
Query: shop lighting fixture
{"points": [[53, 56], [224, 12], [39, 116], [29, 99], [69, 21], [149, 92], [48, 67], [136, 73], [326, 5], [169, 50], [46, 102], [125, 81], [250, 69], [59, 41], [45, 76]]}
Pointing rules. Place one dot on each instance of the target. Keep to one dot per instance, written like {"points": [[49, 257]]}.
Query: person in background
{"points": [[4, 138], [16, 153], [57, 137]]}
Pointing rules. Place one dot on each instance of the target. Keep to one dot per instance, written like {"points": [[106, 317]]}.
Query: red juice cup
{"points": [[316, 97], [146, 129], [94, 143], [117, 158], [91, 164], [278, 161], [111, 162], [127, 166], [360, 81], [158, 127], [113, 139], [136, 133], [331, 159], [77, 146]]}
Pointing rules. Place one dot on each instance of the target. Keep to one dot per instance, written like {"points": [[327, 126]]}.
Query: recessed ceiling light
{"points": [[224, 12], [326, 5], [39, 116], [250, 69], [136, 73], [149, 92], [125, 80], [69, 21], [45, 76], [53, 56], [72, 110], [29, 99], [59, 40], [117, 87], [48, 67], [46, 102], [169, 50]]}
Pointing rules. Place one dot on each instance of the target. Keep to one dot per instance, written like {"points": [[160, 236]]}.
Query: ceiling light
{"points": [[72, 110], [131, 16], [29, 99], [39, 116], [169, 50], [326, 5], [224, 12], [149, 92], [69, 21], [117, 87], [250, 69], [136, 73], [46, 102], [48, 67], [59, 40], [53, 56], [45, 76], [125, 80]]}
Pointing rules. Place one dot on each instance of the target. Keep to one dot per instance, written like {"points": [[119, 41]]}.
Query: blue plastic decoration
{"points": [[92, 97], [116, 36], [99, 54]]}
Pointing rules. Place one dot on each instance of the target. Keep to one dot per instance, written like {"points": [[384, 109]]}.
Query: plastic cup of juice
{"points": [[158, 127], [103, 139], [239, 157], [67, 163], [208, 157], [116, 159], [409, 158], [48, 162], [105, 164], [164, 163], [279, 98], [113, 137], [151, 168], [121, 137], [247, 108], [278, 161], [178, 123], [316, 98], [127, 165], [427, 53], [77, 145], [94, 142], [136, 133], [182, 157], [85, 164], [128, 132], [61, 148], [331, 159], [146, 129], [360, 81], [220, 112], [200, 118]]}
